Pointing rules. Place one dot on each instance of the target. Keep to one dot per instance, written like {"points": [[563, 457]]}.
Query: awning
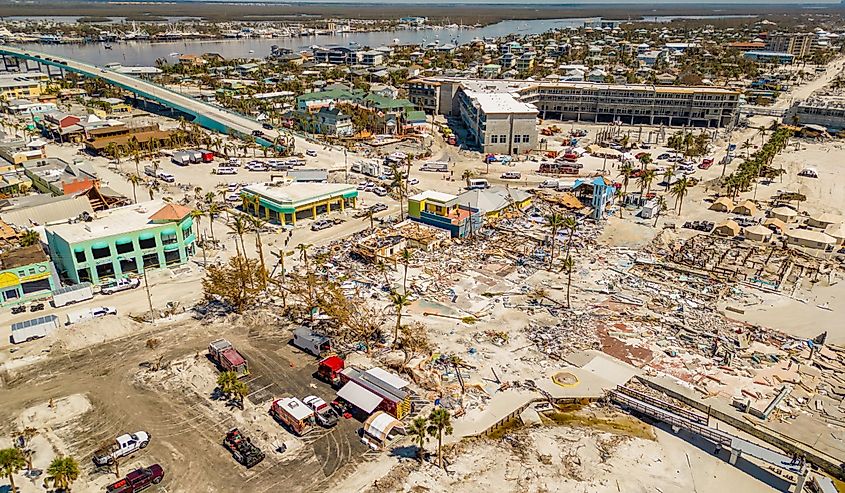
{"points": [[123, 241], [188, 223], [359, 397], [79, 249], [100, 244], [381, 424], [146, 236], [169, 232]]}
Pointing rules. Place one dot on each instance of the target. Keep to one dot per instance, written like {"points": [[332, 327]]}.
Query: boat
{"points": [[108, 47], [174, 54]]}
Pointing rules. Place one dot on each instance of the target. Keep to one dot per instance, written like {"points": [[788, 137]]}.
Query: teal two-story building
{"points": [[122, 242]]}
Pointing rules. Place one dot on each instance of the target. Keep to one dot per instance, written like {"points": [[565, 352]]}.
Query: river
{"points": [[144, 53]]}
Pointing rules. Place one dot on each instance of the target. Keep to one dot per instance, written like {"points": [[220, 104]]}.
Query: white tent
{"points": [[382, 425], [359, 397]]}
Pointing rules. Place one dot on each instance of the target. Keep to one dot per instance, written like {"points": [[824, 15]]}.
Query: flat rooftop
{"points": [[112, 222], [500, 102], [433, 195], [22, 256], [298, 192], [518, 86]]}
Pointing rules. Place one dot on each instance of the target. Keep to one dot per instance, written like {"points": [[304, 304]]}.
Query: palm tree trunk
{"points": [[260, 247], [440, 447], [12, 483]]}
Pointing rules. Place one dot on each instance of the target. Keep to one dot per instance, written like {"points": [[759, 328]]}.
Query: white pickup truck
{"points": [[120, 285], [122, 446], [89, 314]]}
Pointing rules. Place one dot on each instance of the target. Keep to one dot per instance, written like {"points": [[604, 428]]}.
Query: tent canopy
{"points": [[381, 424], [359, 397]]}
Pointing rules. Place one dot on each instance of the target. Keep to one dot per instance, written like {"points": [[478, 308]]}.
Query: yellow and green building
{"points": [[286, 203], [25, 274]]}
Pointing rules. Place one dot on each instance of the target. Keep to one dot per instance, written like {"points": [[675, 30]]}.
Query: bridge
{"points": [[204, 114]]}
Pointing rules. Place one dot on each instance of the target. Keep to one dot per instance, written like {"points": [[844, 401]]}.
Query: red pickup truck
{"points": [[138, 480]]}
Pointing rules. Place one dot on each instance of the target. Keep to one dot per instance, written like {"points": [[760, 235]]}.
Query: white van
{"points": [[511, 175], [549, 184], [166, 177], [477, 184], [234, 162], [225, 170], [438, 166]]}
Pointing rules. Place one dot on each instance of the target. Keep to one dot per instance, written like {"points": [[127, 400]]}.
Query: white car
{"points": [[120, 285], [380, 191], [122, 446], [325, 415], [311, 152], [413, 181]]}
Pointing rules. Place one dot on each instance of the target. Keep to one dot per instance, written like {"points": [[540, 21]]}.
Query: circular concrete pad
{"points": [[565, 379]]}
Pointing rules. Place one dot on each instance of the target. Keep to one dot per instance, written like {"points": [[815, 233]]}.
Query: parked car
{"points": [[311, 152], [665, 155], [267, 126], [364, 185], [138, 480], [413, 181], [242, 448], [323, 413], [380, 191], [378, 208], [549, 184], [123, 445], [511, 175], [321, 224]]}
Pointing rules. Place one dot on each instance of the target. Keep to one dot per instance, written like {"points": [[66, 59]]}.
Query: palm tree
{"points": [[570, 224], [668, 175], [303, 253], [12, 460], [152, 188], [418, 429], [625, 172], [238, 227], [257, 225], [400, 301], [30, 237], [679, 191], [568, 267], [554, 221], [226, 382], [646, 179], [661, 208], [440, 422], [135, 180], [61, 474], [213, 210]]}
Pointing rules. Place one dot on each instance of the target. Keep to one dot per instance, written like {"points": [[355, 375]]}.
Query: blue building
{"points": [[599, 191], [769, 57]]}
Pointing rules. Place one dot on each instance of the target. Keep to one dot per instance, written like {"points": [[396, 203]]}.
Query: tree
{"points": [[212, 211], [257, 225], [231, 386], [625, 173], [135, 180], [568, 267], [399, 301], [30, 237], [439, 422], [234, 282], [414, 339], [679, 191], [418, 430], [62, 472], [12, 461], [554, 221], [406, 259], [645, 180], [238, 226], [661, 208]]}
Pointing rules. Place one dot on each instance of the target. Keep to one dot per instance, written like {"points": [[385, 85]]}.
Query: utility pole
{"points": [[147, 287]]}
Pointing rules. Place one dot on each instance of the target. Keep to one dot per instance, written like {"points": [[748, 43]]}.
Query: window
{"points": [[151, 261], [172, 257], [80, 256], [516, 139], [99, 253], [84, 275], [125, 247], [494, 139], [169, 239], [147, 243], [129, 265], [503, 139], [105, 270], [10, 294], [526, 138], [35, 286]]}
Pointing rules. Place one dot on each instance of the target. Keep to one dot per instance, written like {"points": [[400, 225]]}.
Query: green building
{"points": [[121, 242], [25, 274]]}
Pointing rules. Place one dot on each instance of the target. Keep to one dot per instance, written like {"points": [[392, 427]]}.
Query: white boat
{"points": [[174, 54]]}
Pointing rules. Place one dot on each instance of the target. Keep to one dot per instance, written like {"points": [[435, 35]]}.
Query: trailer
{"points": [[181, 158], [308, 341], [294, 414], [195, 156], [375, 389], [227, 357], [35, 328], [206, 155], [73, 294]]}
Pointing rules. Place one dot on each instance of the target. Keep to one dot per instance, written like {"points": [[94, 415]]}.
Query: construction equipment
{"points": [[242, 448]]}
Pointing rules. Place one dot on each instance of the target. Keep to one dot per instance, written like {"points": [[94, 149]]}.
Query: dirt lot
{"points": [[187, 426]]}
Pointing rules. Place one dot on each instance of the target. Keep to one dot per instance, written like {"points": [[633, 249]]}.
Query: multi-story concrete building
{"points": [[584, 101], [122, 241], [22, 85], [798, 45], [285, 203], [498, 123], [827, 111]]}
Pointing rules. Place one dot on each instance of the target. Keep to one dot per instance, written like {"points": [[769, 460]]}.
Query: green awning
{"points": [[146, 236], [100, 244], [169, 232], [123, 241], [188, 223], [171, 247], [79, 249]]}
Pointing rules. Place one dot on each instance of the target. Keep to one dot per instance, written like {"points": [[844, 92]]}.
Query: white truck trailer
{"points": [[73, 294], [36, 328]]}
